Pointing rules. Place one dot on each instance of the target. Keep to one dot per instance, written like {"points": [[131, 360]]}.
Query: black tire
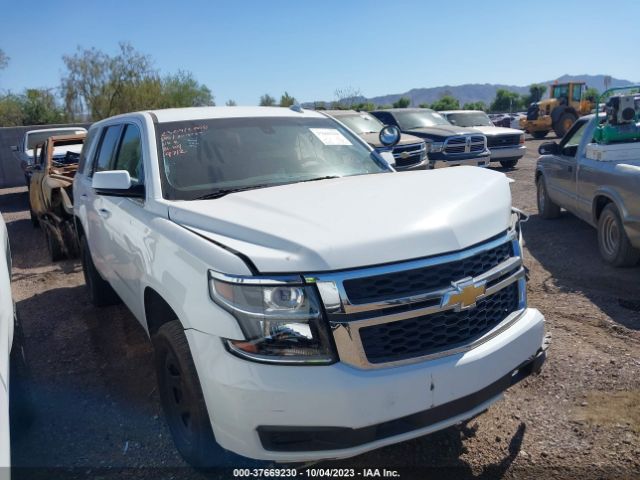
{"points": [[20, 398], [70, 239], [613, 242], [34, 218], [540, 134], [100, 292], [564, 123], [508, 163], [547, 208], [56, 252], [182, 399]]}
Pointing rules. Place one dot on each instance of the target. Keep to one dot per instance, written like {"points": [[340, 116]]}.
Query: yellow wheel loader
{"points": [[566, 103]]}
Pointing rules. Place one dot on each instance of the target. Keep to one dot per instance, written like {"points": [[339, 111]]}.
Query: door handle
{"points": [[84, 195], [103, 212]]}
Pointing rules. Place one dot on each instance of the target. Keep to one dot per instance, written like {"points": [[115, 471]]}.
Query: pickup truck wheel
{"points": [[182, 398], [540, 134], [546, 207], [615, 247], [53, 246], [100, 292], [508, 163]]}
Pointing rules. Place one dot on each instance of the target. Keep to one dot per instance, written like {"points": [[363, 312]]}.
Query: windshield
{"points": [[35, 138], [469, 119], [202, 157], [362, 123], [421, 118]]}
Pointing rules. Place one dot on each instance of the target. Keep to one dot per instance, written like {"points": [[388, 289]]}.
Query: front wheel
{"points": [[564, 123], [182, 399], [547, 208], [615, 247], [508, 163]]}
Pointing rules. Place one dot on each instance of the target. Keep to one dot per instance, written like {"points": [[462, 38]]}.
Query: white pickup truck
{"points": [[304, 301]]}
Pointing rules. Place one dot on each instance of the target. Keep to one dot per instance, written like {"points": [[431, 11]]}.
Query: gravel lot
{"points": [[96, 411]]}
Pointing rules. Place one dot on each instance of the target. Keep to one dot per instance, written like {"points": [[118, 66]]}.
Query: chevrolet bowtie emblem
{"points": [[464, 295], [404, 155]]}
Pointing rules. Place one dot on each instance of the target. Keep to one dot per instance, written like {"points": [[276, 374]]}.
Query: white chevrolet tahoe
{"points": [[304, 301]]}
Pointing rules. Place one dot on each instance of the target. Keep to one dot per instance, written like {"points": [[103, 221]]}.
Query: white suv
{"points": [[304, 301]]}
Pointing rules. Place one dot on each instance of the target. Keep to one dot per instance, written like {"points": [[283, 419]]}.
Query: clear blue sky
{"points": [[241, 49]]}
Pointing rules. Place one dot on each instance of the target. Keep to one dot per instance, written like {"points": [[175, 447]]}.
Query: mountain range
{"points": [[473, 92]]}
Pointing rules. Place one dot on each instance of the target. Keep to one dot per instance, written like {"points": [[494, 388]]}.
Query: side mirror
{"points": [[389, 158], [549, 148], [116, 183], [389, 135]]}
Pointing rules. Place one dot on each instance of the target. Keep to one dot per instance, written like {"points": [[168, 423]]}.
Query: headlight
{"points": [[436, 147], [281, 320]]}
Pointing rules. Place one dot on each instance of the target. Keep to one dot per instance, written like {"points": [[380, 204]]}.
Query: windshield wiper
{"points": [[221, 192], [328, 177]]}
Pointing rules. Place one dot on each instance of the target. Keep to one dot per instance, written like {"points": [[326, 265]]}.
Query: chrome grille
{"points": [[402, 313], [429, 334], [464, 144], [413, 282], [408, 155]]}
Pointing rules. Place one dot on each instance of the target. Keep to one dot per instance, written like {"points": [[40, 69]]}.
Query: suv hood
{"points": [[353, 222], [441, 131]]}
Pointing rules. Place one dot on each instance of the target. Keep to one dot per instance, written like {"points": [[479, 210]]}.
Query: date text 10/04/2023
{"points": [[315, 473]]}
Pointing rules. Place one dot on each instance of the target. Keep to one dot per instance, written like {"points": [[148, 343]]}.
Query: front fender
{"points": [[177, 263]]}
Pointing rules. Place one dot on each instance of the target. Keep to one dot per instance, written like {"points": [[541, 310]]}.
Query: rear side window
{"points": [[107, 148], [129, 156]]}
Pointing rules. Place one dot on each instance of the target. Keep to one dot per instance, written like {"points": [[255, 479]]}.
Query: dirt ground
{"points": [[96, 411]]}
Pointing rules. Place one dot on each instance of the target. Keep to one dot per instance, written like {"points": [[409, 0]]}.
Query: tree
{"points": [[402, 102], [505, 101], [536, 92], [103, 84], [39, 107], [591, 94], [475, 106], [346, 97], [231, 103], [447, 102], [182, 90], [287, 100], [319, 106], [11, 113], [267, 100], [364, 106]]}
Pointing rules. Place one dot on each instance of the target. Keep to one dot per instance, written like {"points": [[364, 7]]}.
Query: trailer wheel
{"points": [[615, 247]]}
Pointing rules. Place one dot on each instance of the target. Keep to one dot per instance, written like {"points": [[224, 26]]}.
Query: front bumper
{"points": [[511, 153], [275, 412]]}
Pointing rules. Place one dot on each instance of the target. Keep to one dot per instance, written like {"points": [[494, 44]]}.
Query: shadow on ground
{"points": [[575, 266]]}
